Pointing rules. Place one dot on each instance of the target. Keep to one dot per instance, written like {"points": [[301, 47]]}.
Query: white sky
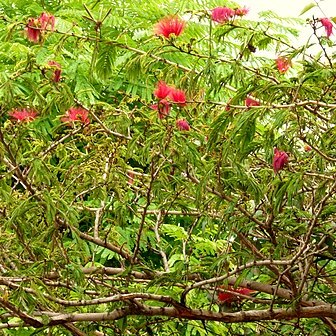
{"points": [[292, 7]]}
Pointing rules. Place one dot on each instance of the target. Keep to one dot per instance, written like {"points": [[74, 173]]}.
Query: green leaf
{"points": [[105, 62], [307, 8], [174, 231]]}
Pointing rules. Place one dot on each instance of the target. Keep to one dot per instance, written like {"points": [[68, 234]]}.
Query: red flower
{"points": [[241, 11], [222, 14], [163, 108], [162, 90], [47, 20], [35, 27], [170, 25], [23, 115], [327, 24], [33, 30], [177, 96], [57, 71], [231, 297], [280, 159], [183, 125], [251, 102], [76, 114], [283, 64]]}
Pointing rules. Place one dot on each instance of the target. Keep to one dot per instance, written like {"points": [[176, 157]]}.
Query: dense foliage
{"points": [[166, 168]]}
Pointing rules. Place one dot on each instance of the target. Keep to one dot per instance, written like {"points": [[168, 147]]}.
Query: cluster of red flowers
{"points": [[73, 114], [169, 26], [228, 298], [224, 14], [173, 26], [166, 95], [164, 91], [328, 25], [35, 27]]}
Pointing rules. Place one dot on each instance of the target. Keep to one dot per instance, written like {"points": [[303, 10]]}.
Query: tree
{"points": [[165, 170]]}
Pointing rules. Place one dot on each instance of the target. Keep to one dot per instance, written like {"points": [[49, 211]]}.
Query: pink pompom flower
{"points": [[33, 30], [162, 90], [178, 96], [76, 114], [23, 115], [35, 27], [222, 14], [169, 26], [47, 20]]}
